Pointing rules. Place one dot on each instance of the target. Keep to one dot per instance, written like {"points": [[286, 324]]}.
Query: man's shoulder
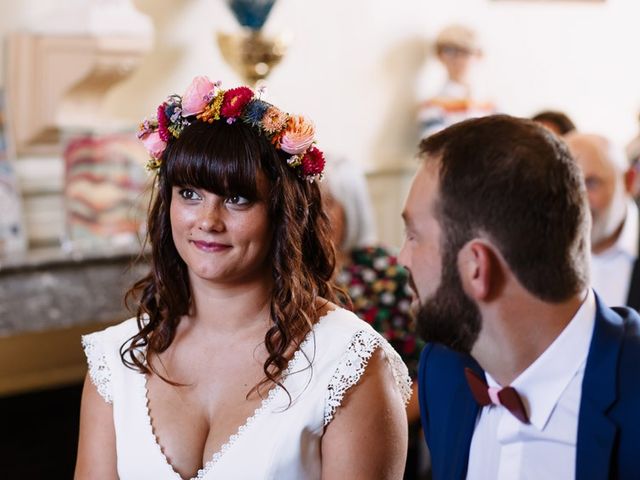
{"points": [[627, 321], [630, 330], [441, 384], [441, 366], [616, 345]]}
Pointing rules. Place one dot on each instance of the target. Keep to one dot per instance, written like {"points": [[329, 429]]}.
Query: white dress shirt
{"points": [[503, 448], [611, 270]]}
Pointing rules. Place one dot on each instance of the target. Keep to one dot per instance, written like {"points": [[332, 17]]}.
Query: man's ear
{"points": [[478, 269]]}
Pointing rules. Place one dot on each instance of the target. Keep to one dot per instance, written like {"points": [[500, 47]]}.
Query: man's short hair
{"points": [[512, 181]]}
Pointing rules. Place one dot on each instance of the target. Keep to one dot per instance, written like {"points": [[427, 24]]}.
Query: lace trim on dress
{"points": [[99, 371], [353, 364]]}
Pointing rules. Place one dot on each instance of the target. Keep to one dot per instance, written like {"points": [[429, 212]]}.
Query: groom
{"points": [[527, 374]]}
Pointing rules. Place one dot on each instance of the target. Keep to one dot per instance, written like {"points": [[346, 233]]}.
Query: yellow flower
{"points": [[212, 111]]}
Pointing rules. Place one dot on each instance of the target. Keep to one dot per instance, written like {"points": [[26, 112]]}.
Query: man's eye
{"points": [[592, 183], [408, 234], [237, 200]]}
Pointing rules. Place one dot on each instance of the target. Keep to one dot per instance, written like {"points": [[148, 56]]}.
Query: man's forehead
{"points": [[422, 193], [597, 152]]}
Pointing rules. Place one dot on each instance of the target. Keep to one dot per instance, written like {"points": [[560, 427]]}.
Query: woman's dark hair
{"points": [[514, 181], [226, 159]]}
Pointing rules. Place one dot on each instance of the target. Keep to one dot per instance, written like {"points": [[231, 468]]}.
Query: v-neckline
{"points": [[233, 438]]}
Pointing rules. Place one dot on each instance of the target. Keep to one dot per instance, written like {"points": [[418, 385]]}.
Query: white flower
{"points": [[381, 263]]}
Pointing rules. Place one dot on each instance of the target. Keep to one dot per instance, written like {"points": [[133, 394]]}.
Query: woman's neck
{"points": [[230, 307]]}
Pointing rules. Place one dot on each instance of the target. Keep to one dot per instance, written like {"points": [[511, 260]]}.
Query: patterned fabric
{"points": [[97, 366], [380, 293], [352, 366]]}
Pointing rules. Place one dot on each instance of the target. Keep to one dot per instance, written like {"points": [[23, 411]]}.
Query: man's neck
{"points": [[516, 332]]}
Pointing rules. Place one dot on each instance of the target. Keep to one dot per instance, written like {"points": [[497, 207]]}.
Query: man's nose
{"points": [[403, 256]]}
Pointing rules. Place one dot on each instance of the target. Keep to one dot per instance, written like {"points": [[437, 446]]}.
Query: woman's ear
{"points": [[477, 267]]}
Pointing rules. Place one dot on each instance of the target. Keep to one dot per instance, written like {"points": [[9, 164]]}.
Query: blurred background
{"points": [[77, 77]]}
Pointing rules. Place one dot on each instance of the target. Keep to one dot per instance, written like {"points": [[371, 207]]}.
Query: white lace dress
{"points": [[279, 441]]}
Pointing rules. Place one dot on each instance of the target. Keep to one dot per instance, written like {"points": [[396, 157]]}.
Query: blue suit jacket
{"points": [[608, 442]]}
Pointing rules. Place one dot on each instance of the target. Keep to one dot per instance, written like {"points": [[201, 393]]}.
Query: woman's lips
{"points": [[210, 246]]}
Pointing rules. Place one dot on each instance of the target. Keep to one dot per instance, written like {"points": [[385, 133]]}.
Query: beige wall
{"points": [[355, 66]]}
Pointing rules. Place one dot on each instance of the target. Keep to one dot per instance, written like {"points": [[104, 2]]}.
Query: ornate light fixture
{"points": [[249, 52]]}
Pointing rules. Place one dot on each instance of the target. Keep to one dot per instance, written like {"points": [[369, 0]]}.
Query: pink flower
{"points": [[154, 144], [144, 128], [313, 162], [297, 135], [197, 96]]}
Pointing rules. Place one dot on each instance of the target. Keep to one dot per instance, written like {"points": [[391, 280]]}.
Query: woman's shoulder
{"points": [[340, 319], [340, 329], [102, 349], [117, 333], [349, 342]]}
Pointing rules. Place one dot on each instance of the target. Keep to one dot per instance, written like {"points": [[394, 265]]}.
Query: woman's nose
{"points": [[211, 218]]}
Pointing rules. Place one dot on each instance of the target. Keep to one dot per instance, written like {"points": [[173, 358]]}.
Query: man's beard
{"points": [[606, 223], [449, 316]]}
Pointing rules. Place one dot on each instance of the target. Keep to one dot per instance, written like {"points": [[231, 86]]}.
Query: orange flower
{"points": [[273, 120]]}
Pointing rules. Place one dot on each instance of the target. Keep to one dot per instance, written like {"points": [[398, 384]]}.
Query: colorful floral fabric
{"points": [[380, 294]]}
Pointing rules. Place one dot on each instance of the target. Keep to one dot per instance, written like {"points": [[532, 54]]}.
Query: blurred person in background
{"points": [[633, 155], [558, 122], [369, 273], [615, 270], [458, 50]]}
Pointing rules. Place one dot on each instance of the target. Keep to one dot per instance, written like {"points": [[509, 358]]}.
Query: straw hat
{"points": [[459, 36]]}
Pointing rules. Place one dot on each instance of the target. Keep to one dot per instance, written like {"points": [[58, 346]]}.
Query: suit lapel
{"points": [[596, 432], [463, 413]]}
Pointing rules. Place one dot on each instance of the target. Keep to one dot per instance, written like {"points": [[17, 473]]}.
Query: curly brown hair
{"points": [[226, 159]]}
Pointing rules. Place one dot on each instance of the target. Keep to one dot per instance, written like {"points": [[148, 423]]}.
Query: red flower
{"points": [[313, 162], [163, 123], [234, 101]]}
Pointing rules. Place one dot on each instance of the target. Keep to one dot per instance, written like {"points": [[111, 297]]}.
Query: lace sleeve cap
{"points": [[353, 364], [99, 371]]}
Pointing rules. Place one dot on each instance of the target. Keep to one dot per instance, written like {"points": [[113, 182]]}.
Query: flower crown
{"points": [[206, 101]]}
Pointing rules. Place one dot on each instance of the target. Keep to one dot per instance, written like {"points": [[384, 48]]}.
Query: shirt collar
{"points": [[544, 381], [627, 241]]}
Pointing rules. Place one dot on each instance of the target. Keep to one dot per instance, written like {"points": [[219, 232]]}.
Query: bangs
{"points": [[220, 158]]}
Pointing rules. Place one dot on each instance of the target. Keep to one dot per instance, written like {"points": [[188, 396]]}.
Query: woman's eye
{"points": [[188, 194], [237, 200]]}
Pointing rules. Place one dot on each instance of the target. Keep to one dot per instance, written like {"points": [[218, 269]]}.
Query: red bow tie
{"points": [[506, 396]]}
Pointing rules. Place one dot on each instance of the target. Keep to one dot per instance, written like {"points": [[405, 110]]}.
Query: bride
{"points": [[237, 364]]}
